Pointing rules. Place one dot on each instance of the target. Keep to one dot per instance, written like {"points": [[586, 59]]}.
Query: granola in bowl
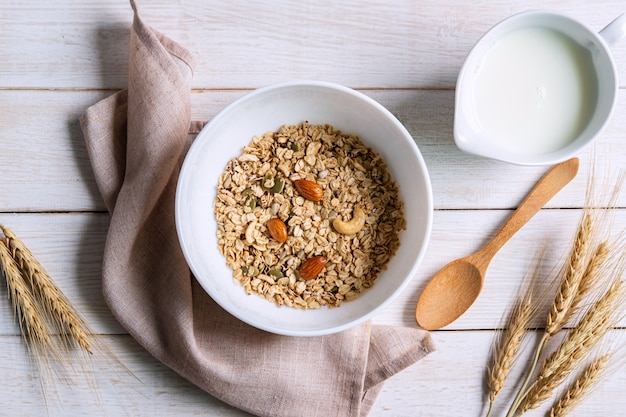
{"points": [[308, 216]]}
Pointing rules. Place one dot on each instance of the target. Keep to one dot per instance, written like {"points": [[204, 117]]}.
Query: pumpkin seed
{"points": [[275, 273], [251, 202], [250, 270], [268, 182], [279, 185]]}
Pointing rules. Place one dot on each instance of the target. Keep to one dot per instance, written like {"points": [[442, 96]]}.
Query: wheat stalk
{"points": [[584, 276], [580, 387], [32, 323], [509, 343], [576, 346], [62, 313], [561, 308], [41, 307]]}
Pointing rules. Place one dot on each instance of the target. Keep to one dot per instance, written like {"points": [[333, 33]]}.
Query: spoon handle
{"points": [[547, 187]]}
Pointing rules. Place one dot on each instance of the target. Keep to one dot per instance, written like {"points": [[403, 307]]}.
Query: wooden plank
{"points": [[125, 382], [70, 246], [46, 167], [449, 382], [247, 44], [44, 161], [550, 234]]}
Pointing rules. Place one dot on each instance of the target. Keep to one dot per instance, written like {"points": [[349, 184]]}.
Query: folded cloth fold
{"points": [[136, 140]]}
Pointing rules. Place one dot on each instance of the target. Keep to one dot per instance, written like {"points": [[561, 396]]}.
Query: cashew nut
{"points": [[250, 231], [353, 226]]}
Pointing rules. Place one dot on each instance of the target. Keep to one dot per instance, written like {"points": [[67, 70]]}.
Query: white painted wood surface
{"points": [[59, 57]]}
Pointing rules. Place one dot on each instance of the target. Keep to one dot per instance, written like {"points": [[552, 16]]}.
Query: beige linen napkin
{"points": [[136, 141]]}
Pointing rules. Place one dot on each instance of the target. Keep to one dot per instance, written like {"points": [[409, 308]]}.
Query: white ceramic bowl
{"points": [[264, 110]]}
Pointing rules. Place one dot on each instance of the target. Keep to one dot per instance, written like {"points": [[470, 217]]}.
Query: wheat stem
{"points": [[522, 392]]}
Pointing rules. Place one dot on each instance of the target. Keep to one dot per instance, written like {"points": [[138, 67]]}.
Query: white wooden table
{"points": [[58, 57]]}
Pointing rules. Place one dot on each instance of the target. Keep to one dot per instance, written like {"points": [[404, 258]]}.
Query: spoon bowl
{"points": [[461, 281], [457, 285]]}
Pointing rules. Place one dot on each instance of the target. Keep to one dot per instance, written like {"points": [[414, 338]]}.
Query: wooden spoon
{"points": [[453, 289]]}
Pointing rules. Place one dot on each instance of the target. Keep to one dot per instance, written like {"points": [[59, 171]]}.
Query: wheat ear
{"points": [[577, 345], [63, 314], [32, 323], [590, 276], [509, 344], [561, 309], [581, 387]]}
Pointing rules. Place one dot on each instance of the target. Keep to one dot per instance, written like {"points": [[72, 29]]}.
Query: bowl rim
{"points": [[415, 263]]}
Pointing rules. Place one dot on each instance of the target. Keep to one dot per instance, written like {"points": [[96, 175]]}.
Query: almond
{"points": [[309, 189], [312, 267], [277, 229]]}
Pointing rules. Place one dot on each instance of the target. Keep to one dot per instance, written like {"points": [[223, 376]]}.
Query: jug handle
{"points": [[614, 31]]}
